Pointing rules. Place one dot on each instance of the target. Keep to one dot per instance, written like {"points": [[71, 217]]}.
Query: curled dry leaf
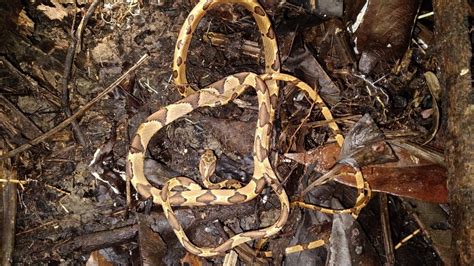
{"points": [[364, 144], [410, 176], [385, 31]]}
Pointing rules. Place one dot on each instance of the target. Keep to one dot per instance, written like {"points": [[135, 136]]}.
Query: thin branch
{"points": [[75, 38], [81, 111]]}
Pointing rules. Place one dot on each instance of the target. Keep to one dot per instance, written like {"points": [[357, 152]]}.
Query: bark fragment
{"points": [[452, 27]]}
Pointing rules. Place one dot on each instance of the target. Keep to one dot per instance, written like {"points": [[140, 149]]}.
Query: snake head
{"points": [[207, 164]]}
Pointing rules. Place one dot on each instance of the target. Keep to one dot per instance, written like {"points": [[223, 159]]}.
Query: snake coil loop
{"points": [[217, 94]]}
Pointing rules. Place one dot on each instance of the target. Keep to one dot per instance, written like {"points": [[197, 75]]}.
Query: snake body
{"points": [[182, 191], [217, 94], [267, 34]]}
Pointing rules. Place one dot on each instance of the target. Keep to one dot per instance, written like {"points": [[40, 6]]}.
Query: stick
{"points": [[81, 111], [71, 51]]}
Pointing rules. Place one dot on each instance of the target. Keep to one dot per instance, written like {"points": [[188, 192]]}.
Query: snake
{"points": [[207, 167], [183, 191]]}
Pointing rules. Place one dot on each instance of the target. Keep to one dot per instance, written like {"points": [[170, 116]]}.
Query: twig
{"points": [[303, 121], [75, 36], [66, 122], [386, 233], [325, 122], [38, 227], [405, 239], [58, 189], [128, 191], [323, 179], [16, 181], [9, 206], [84, 21]]}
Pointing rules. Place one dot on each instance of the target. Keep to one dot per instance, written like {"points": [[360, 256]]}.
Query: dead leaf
{"points": [[364, 144], [384, 33], [411, 176], [191, 259], [57, 12], [97, 259], [301, 60], [152, 247]]}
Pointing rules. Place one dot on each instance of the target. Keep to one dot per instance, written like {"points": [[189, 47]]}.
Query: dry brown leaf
{"points": [[191, 259], [410, 176], [57, 12], [97, 259]]}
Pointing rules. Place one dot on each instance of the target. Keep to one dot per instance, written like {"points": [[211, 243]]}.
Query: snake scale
{"points": [[182, 191]]}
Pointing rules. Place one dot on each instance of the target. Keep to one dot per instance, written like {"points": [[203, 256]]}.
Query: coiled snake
{"points": [[218, 94]]}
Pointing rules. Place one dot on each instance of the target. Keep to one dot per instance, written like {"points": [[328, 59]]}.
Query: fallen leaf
{"points": [[410, 176], [191, 259], [57, 12]]}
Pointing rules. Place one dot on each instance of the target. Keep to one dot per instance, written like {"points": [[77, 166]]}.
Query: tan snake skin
{"points": [[182, 191]]}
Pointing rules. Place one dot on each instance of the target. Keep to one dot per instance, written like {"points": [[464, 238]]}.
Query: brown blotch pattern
{"points": [[173, 221], [260, 185], [191, 18], [237, 198], [175, 73], [182, 90], [224, 246], [264, 115], [207, 4], [164, 192], [295, 83], [259, 11], [179, 61], [180, 44], [261, 151], [206, 197], [159, 116], [321, 105], [276, 65], [234, 96], [241, 77], [193, 100], [274, 100], [261, 86], [304, 245], [189, 30], [219, 85], [177, 200], [254, 234], [271, 33], [136, 145]]}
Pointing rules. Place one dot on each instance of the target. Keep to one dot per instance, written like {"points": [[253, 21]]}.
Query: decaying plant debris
{"points": [[79, 77]]}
